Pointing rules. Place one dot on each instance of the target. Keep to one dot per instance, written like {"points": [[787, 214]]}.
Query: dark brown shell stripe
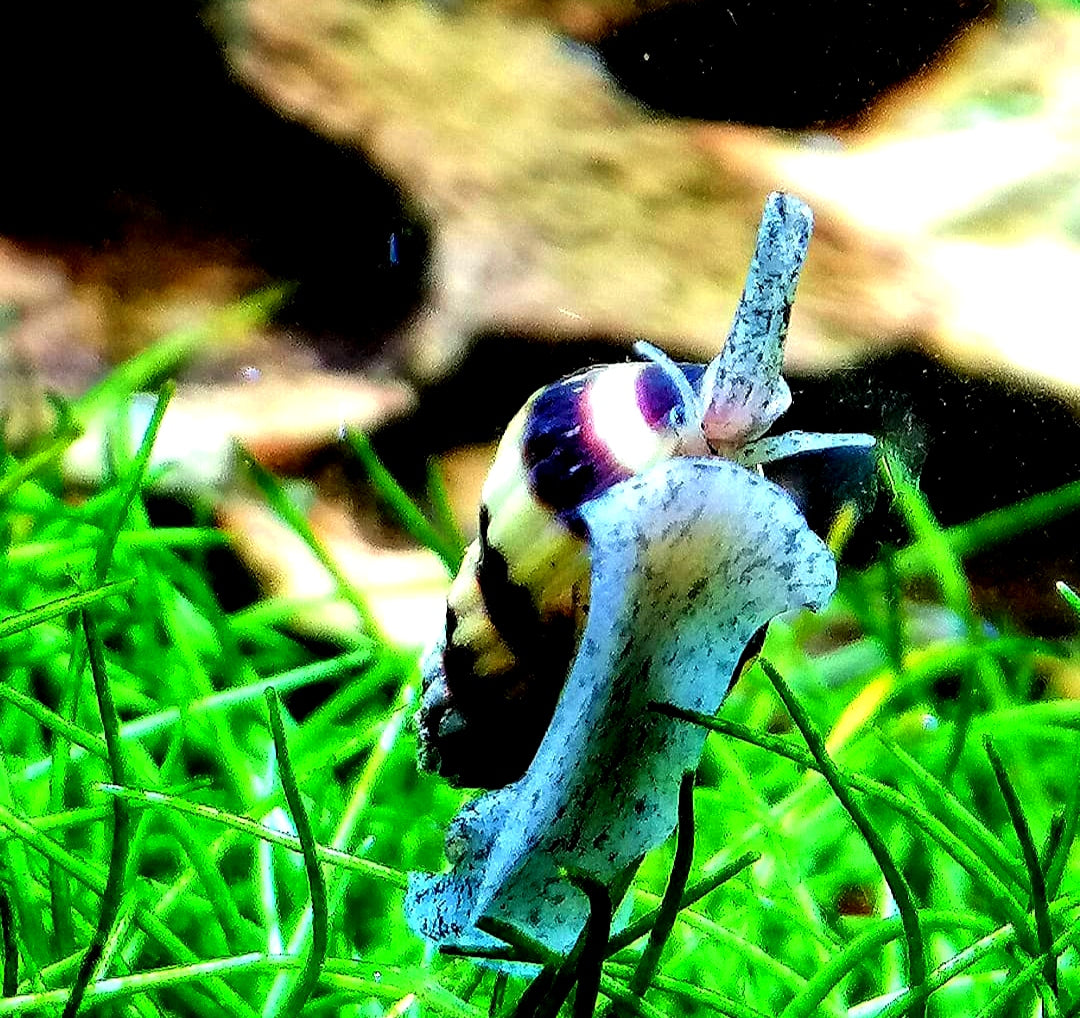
{"points": [[516, 609]]}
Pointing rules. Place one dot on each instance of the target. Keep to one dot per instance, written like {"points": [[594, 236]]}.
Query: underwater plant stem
{"points": [[320, 923], [446, 545], [62, 606], [279, 501], [11, 948], [898, 886], [554, 984], [1039, 904], [1059, 856], [131, 484], [116, 880], [671, 903], [597, 932], [640, 927]]}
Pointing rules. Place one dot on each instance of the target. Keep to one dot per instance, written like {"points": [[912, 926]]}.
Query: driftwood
{"points": [[560, 208]]}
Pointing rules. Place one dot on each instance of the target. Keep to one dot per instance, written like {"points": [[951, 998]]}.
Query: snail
{"points": [[630, 551], [517, 607]]}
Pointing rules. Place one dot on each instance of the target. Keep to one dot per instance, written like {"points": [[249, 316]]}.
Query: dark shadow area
{"points": [[778, 64], [231, 581], [122, 118], [976, 444]]}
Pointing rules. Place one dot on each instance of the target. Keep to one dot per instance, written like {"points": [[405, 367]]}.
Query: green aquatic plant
{"points": [[172, 845]]}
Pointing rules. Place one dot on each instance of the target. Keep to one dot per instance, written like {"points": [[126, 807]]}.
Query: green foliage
{"points": [[882, 827]]}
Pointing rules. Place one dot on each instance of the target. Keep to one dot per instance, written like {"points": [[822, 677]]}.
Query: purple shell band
{"points": [[658, 396], [565, 462]]}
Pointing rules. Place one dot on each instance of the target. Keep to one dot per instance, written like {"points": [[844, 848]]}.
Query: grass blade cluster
{"points": [[202, 814]]}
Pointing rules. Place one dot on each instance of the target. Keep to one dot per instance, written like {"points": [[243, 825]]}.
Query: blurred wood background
{"points": [[473, 197]]}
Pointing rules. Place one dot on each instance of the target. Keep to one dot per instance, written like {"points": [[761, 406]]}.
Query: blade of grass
{"points": [[470, 983], [130, 485], [542, 987], [360, 796], [139, 728], [401, 505], [782, 851], [105, 549], [118, 988], [59, 881], [282, 505], [996, 526], [547, 993], [969, 859], [11, 948], [527, 948], [117, 933], [671, 903], [55, 723], [61, 556], [948, 970], [944, 565], [168, 353], [380, 671], [748, 950], [992, 848], [293, 999], [711, 1001], [1039, 904], [18, 880], [999, 940], [640, 927], [18, 475], [355, 807], [868, 944], [549, 990], [95, 877], [62, 606], [236, 929], [116, 881], [1052, 843], [343, 836], [1029, 973], [1057, 859], [597, 932], [146, 798], [942, 561], [618, 995], [376, 980], [445, 522], [196, 684], [905, 903]]}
